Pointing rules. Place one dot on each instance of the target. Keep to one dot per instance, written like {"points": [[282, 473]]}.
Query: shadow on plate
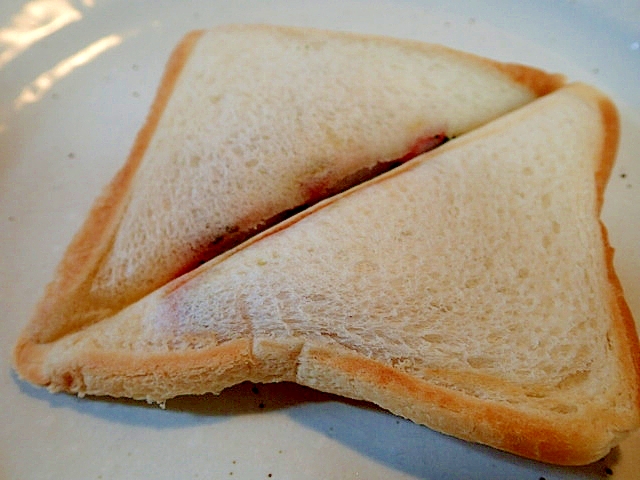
{"points": [[392, 441]]}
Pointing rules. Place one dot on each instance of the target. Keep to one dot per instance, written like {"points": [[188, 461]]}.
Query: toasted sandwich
{"points": [[470, 289], [252, 124]]}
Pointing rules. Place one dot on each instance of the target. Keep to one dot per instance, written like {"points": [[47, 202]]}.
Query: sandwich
{"points": [[470, 289], [252, 124]]}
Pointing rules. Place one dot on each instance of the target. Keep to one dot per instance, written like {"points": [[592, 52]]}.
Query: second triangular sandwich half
{"points": [[471, 290]]}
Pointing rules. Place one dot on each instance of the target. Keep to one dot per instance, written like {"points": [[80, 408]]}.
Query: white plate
{"points": [[76, 80]]}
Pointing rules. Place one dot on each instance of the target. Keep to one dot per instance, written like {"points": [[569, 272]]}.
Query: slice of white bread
{"points": [[252, 123], [471, 290]]}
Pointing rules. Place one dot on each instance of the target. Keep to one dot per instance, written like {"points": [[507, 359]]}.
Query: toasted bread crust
{"points": [[333, 370], [446, 410], [624, 326], [51, 319]]}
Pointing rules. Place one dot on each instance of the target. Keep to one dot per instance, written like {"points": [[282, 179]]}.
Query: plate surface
{"points": [[76, 81]]}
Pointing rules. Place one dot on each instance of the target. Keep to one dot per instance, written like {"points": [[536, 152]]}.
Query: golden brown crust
{"points": [[449, 411], [93, 239], [29, 358], [624, 325], [150, 376], [539, 82], [611, 126], [155, 377]]}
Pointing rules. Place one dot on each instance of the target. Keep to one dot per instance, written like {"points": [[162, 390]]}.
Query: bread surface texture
{"points": [[471, 290], [252, 123]]}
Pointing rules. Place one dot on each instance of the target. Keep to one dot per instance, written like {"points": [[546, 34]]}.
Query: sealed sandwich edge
{"points": [[623, 324], [546, 439], [329, 368], [81, 258], [28, 361]]}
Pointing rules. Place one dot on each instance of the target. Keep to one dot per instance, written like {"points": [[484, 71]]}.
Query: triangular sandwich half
{"points": [[471, 290], [253, 123]]}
